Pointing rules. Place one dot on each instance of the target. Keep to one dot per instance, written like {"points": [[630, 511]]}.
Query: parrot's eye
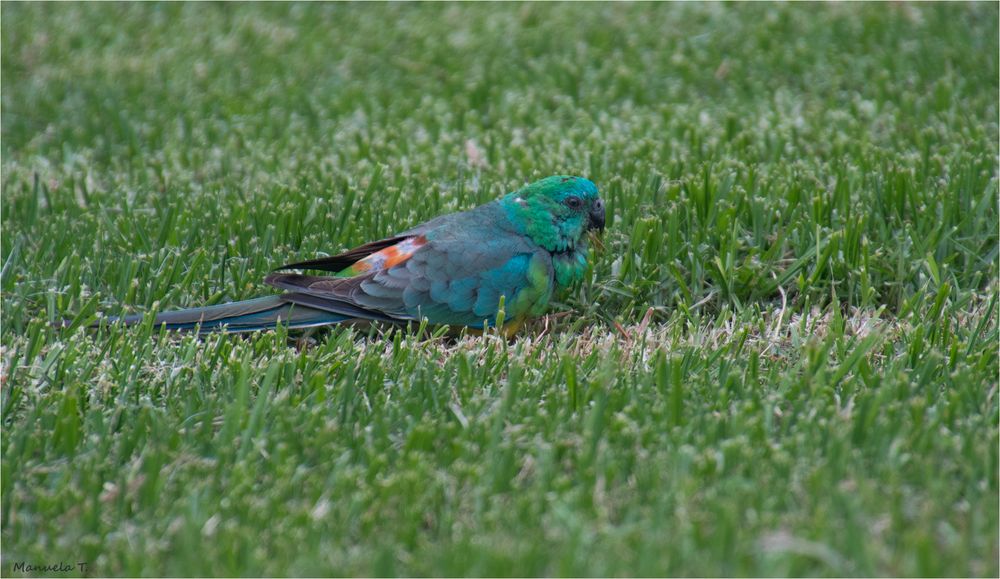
{"points": [[574, 202]]}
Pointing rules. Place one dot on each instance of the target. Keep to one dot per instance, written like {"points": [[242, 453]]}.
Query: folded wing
{"points": [[453, 275]]}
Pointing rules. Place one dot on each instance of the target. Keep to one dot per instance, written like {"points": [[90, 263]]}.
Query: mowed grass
{"points": [[784, 360]]}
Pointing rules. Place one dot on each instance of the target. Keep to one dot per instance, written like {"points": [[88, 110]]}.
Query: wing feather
{"points": [[344, 260], [451, 271]]}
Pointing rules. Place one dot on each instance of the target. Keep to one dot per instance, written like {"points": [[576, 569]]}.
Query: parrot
{"points": [[452, 270]]}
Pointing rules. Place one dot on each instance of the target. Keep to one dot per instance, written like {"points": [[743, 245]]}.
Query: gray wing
{"points": [[457, 277]]}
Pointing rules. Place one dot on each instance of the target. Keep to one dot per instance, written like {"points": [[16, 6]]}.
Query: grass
{"points": [[784, 361]]}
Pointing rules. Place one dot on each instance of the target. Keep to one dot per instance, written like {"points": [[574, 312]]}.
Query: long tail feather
{"points": [[246, 316]]}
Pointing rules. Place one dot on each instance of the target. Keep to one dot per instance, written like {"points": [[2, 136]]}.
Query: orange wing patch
{"points": [[386, 258]]}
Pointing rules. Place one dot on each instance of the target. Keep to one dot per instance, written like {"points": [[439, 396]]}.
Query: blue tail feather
{"points": [[245, 316]]}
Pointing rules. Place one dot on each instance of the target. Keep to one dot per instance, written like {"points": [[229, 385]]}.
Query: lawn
{"points": [[784, 360]]}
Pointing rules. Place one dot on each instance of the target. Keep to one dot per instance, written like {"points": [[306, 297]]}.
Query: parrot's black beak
{"points": [[597, 216]]}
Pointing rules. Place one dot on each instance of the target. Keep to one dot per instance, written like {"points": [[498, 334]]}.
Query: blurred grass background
{"points": [[805, 195]]}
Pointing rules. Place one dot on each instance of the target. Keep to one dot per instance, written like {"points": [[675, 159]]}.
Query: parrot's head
{"points": [[557, 212]]}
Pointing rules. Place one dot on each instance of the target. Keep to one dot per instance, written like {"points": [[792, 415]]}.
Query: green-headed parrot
{"points": [[450, 270]]}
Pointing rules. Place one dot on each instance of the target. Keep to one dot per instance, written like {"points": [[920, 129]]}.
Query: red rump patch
{"points": [[388, 257]]}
